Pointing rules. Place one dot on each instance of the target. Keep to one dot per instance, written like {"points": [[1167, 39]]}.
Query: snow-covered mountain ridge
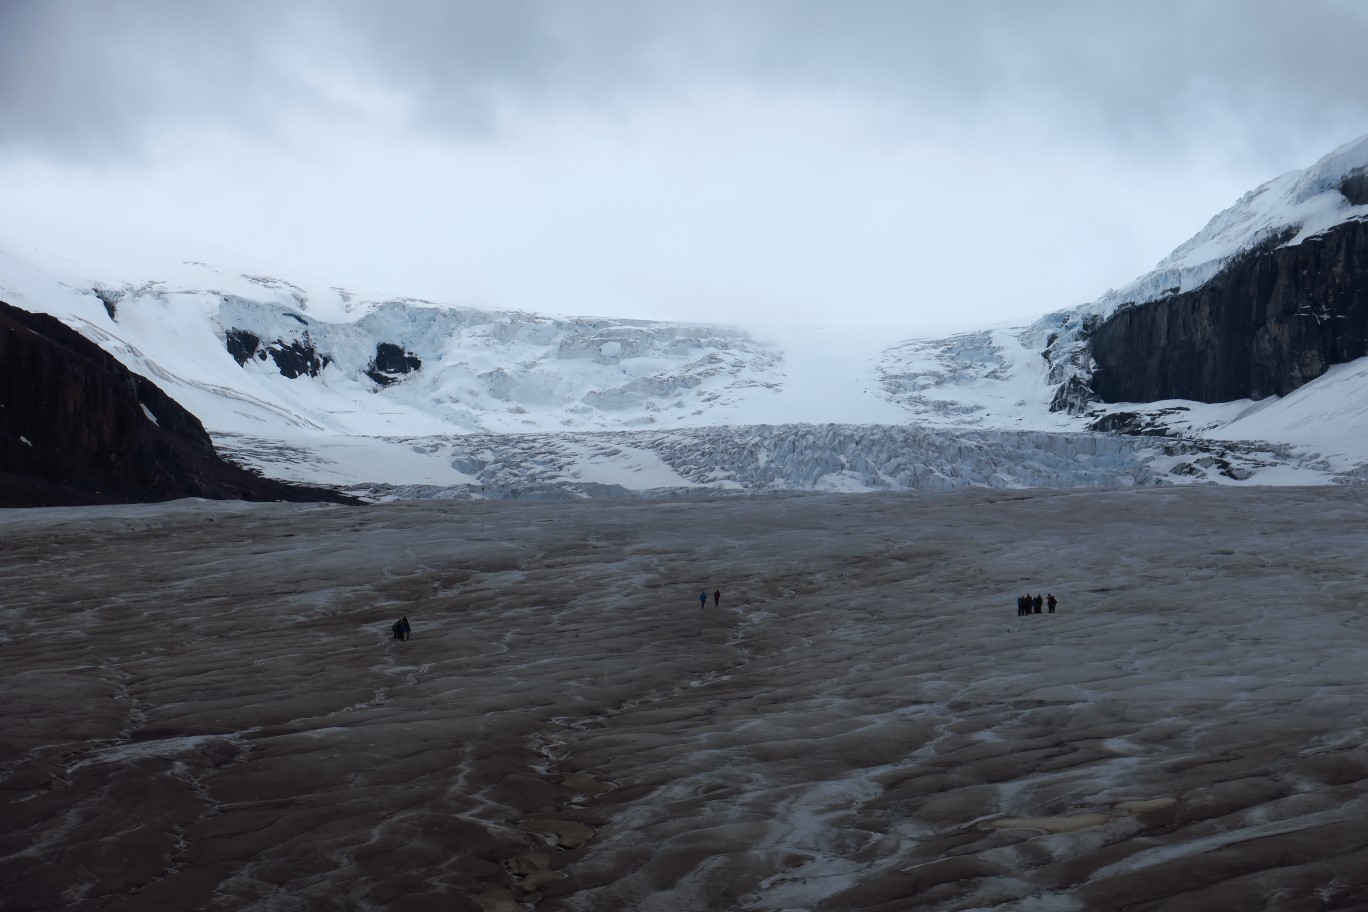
{"points": [[1270, 293], [1282, 212], [514, 371], [400, 396], [403, 398], [251, 354]]}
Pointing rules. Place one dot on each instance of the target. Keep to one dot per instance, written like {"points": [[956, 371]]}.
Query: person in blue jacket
{"points": [[702, 600]]}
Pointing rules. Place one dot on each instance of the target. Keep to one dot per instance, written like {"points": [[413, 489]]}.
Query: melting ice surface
{"points": [[203, 706]]}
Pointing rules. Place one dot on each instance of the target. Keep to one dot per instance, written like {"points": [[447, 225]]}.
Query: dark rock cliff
{"points": [[1272, 321], [296, 358], [77, 427], [391, 361]]}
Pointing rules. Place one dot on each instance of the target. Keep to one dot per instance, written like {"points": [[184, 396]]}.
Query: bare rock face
{"points": [[78, 427], [297, 358], [392, 361], [1270, 323]]}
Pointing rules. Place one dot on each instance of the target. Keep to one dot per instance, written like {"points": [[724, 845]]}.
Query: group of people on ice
{"points": [[1027, 604]]}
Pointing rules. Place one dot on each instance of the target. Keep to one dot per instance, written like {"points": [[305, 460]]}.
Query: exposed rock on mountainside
{"points": [[1271, 322], [391, 362], [321, 386], [296, 358], [464, 367], [1354, 187], [1265, 298], [78, 427]]}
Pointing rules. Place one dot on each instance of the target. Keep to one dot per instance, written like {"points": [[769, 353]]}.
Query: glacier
{"points": [[699, 462], [401, 397], [205, 710]]}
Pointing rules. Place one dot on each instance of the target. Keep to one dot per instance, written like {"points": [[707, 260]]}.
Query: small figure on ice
{"points": [[401, 629], [1051, 601], [702, 599], [717, 597]]}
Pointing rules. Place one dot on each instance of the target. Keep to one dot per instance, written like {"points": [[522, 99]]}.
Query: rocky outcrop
{"points": [[1270, 322], [1354, 187], [78, 427], [295, 358], [243, 345], [466, 367], [391, 361]]}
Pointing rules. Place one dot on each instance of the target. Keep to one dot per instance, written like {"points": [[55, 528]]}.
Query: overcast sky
{"points": [[926, 164]]}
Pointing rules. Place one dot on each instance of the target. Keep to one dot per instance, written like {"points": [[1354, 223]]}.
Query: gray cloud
{"points": [[773, 160], [89, 80]]}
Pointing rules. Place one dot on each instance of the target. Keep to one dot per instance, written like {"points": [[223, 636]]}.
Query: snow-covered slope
{"points": [[991, 378], [1029, 377], [1284, 212], [402, 398], [994, 379], [390, 396], [258, 355], [336, 364]]}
